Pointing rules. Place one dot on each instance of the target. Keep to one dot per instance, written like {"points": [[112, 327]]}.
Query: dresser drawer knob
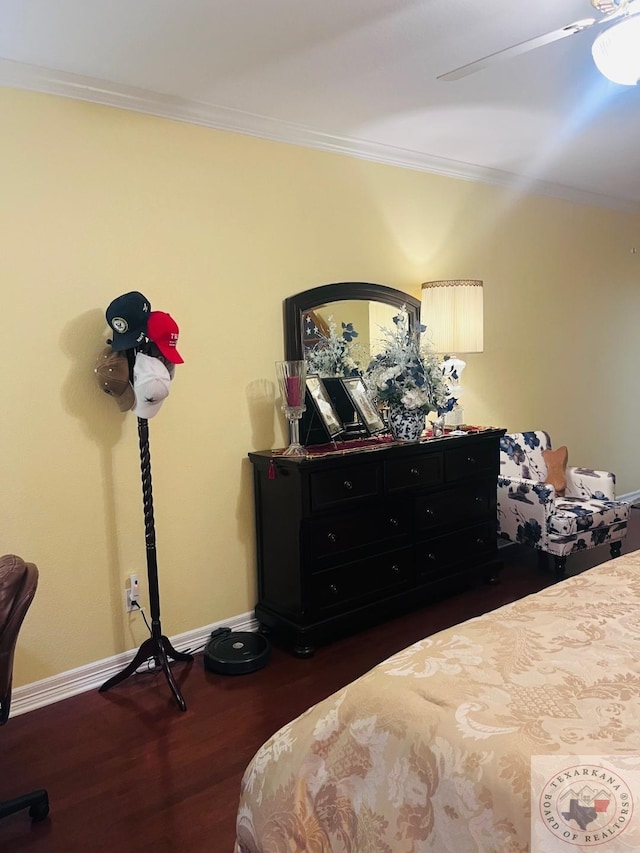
{"points": [[471, 460], [415, 472], [430, 513], [431, 557], [333, 589], [332, 537], [348, 485], [395, 569], [479, 499], [479, 541], [393, 522]]}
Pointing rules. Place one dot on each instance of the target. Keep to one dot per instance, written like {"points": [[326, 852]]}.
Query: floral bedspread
{"points": [[430, 751]]}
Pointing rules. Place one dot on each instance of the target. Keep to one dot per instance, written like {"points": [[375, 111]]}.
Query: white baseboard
{"points": [[93, 675]]}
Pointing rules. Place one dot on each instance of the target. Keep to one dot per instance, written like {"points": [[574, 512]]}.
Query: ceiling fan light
{"points": [[616, 52]]}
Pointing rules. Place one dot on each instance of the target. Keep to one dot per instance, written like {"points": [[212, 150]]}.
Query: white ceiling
{"points": [[357, 76]]}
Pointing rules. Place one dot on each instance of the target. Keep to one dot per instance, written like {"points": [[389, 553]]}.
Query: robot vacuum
{"points": [[236, 652]]}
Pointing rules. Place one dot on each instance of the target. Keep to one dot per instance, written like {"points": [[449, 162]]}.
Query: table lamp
{"points": [[452, 311]]}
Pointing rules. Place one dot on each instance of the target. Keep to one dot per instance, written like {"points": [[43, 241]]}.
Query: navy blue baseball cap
{"points": [[128, 316]]}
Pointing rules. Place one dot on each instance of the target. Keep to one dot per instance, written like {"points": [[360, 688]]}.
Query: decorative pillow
{"points": [[556, 461]]}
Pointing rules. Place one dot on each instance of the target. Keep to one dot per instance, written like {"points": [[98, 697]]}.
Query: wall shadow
{"points": [[82, 340]]}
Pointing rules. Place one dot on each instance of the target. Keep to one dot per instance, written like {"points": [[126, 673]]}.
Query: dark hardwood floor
{"points": [[127, 771]]}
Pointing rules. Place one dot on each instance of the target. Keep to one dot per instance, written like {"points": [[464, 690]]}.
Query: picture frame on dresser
{"points": [[323, 407], [363, 404]]}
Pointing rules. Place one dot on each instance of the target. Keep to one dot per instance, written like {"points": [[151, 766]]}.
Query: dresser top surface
{"points": [[385, 445]]}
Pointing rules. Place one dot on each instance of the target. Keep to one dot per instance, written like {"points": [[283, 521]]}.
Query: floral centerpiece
{"points": [[333, 355], [407, 376]]}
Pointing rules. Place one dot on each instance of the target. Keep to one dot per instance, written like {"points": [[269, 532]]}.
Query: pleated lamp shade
{"points": [[452, 311]]}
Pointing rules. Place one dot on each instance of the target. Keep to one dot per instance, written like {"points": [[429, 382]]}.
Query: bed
{"points": [[431, 750]]}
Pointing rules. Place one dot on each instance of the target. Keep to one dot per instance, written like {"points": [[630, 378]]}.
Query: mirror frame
{"points": [[295, 307]]}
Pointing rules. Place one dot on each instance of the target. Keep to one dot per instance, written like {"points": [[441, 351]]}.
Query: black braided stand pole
{"points": [[157, 646]]}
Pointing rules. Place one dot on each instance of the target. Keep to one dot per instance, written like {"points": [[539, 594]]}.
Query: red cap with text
{"points": [[163, 330]]}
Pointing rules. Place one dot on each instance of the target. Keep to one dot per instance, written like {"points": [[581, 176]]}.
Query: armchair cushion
{"points": [[574, 516], [556, 461]]}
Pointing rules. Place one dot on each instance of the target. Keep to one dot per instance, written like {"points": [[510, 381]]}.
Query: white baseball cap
{"points": [[151, 383]]}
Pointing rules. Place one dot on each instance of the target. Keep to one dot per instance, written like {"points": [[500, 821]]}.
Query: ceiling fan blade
{"points": [[517, 49]]}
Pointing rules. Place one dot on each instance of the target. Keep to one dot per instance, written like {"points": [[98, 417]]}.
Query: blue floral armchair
{"points": [[530, 511]]}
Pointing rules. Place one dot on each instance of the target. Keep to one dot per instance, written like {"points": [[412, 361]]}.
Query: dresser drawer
{"points": [[442, 552], [361, 579], [466, 462], [413, 472], [342, 486], [332, 536], [454, 507]]}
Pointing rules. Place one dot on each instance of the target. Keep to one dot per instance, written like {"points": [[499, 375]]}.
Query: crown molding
{"points": [[64, 84]]}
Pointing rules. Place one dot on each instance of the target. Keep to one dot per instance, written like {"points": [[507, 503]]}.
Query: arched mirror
{"points": [[367, 306], [309, 317]]}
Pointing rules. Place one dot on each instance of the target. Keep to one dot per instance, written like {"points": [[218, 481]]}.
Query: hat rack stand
{"points": [[157, 646]]}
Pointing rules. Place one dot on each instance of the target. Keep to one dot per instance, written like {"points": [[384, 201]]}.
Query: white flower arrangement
{"points": [[407, 371], [333, 355]]}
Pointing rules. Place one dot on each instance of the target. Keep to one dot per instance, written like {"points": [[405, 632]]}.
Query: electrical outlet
{"points": [[132, 593], [134, 585]]}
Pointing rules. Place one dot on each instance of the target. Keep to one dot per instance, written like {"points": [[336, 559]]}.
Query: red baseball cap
{"points": [[163, 330]]}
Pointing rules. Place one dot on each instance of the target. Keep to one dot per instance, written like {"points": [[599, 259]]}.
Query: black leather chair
{"points": [[18, 582]]}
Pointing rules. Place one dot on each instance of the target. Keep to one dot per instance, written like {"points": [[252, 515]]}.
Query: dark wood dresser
{"points": [[347, 539]]}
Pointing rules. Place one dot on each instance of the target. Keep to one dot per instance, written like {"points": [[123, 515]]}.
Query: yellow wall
{"points": [[217, 229]]}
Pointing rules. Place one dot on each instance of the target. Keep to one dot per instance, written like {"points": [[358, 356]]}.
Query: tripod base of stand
{"points": [[160, 649]]}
